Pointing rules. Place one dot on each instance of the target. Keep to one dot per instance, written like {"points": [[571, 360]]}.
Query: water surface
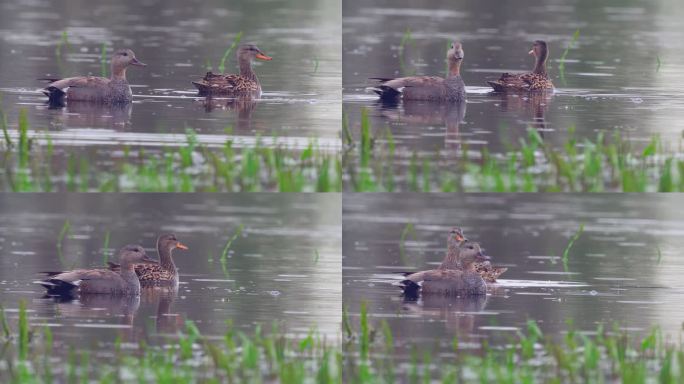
{"points": [[178, 41], [625, 268], [283, 269], [624, 74]]}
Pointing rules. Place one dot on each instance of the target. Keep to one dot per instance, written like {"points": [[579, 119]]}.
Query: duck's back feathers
{"points": [[521, 82], [421, 88], [149, 274], [83, 281], [488, 272], [216, 84], [445, 282]]}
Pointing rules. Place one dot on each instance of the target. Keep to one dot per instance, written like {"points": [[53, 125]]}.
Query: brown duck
{"points": [[96, 89], [451, 261], [427, 88], [246, 84], [538, 80], [450, 282], [100, 281], [158, 273]]}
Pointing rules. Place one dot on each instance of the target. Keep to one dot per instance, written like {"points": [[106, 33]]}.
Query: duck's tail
{"points": [[411, 289], [55, 95], [497, 86], [202, 88], [57, 287]]}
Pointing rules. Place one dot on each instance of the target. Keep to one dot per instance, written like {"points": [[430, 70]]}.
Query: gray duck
{"points": [[450, 282], [96, 89], [100, 281], [427, 88]]}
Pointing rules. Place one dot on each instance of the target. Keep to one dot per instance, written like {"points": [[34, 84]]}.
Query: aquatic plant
{"points": [[226, 248], [103, 60], [226, 54], [406, 40], [566, 251], [408, 230], [29, 167], [368, 354], [561, 66], [606, 163]]}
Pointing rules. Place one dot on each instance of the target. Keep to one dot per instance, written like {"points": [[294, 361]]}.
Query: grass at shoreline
{"points": [[367, 354], [28, 167], [607, 163]]}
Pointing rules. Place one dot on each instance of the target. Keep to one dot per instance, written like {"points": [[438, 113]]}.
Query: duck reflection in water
{"points": [[243, 106], [459, 314], [122, 308], [532, 104], [421, 113], [81, 114]]}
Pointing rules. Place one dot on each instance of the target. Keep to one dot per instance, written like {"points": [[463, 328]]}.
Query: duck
{"points": [[100, 281], [427, 88], [451, 261], [246, 84], [450, 282], [163, 272], [537, 80], [96, 89]]}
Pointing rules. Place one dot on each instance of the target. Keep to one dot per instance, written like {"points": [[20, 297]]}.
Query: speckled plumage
{"points": [[537, 80], [455, 240], [246, 84], [162, 273]]}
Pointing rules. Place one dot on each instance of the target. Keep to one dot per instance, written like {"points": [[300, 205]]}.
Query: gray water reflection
{"points": [[177, 40], [613, 82], [271, 275], [615, 273]]}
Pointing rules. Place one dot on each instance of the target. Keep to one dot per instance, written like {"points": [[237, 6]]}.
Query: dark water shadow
{"points": [[79, 114], [243, 107], [450, 115], [457, 313]]}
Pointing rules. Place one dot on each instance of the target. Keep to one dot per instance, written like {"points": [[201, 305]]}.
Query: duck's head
{"points": [[169, 242], [134, 254], [539, 50], [250, 52], [455, 236], [472, 253], [123, 58], [455, 52]]}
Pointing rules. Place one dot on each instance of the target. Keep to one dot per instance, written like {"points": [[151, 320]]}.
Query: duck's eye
{"points": [[125, 54]]}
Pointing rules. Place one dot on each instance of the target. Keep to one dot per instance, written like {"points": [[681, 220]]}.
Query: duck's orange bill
{"points": [[531, 52], [181, 246], [261, 56]]}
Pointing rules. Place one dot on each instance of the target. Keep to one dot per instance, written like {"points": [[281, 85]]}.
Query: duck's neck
{"points": [[469, 267], [540, 66], [455, 68], [118, 73], [165, 259], [451, 261], [246, 70], [128, 274]]}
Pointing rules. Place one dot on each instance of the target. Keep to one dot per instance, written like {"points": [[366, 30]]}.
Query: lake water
{"points": [[178, 42], [624, 74], [625, 267], [284, 268]]}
